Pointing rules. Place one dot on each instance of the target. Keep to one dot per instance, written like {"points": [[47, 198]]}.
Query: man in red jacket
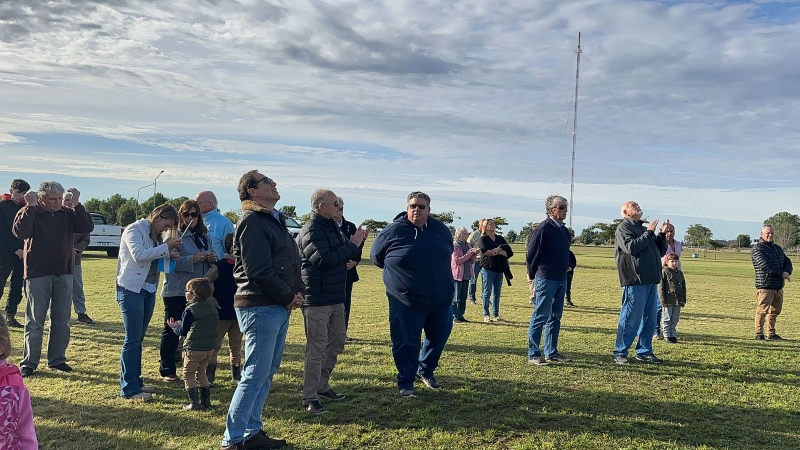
{"points": [[47, 229]]}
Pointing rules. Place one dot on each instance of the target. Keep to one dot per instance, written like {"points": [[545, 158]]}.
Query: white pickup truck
{"points": [[105, 237]]}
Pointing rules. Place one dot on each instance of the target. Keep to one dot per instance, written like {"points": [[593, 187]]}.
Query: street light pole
{"points": [[138, 205], [155, 187]]}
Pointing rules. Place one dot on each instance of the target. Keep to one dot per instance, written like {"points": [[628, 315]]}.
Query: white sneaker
{"points": [[486, 319], [141, 396]]}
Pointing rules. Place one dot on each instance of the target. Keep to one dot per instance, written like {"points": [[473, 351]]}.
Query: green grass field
{"points": [[719, 389]]}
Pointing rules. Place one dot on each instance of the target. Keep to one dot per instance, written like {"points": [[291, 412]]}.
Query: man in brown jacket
{"points": [[47, 229]]}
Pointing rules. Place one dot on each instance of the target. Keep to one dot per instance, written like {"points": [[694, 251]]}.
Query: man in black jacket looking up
{"points": [[268, 287], [11, 249], [324, 252], [773, 269]]}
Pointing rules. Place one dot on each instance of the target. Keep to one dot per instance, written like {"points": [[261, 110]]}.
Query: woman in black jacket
{"points": [[494, 265]]}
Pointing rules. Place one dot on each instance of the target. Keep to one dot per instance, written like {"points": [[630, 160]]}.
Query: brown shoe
{"points": [[260, 440]]}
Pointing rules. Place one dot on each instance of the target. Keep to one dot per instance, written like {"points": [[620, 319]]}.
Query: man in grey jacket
{"points": [[638, 256]]}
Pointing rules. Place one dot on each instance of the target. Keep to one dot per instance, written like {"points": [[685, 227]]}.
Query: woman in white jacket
{"points": [[137, 281]]}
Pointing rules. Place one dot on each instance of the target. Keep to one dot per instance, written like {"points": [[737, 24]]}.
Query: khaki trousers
{"points": [[325, 335], [769, 305], [195, 363]]}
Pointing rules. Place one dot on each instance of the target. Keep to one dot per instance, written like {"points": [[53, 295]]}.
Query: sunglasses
{"points": [[417, 206], [561, 208], [267, 180], [189, 214], [337, 204]]}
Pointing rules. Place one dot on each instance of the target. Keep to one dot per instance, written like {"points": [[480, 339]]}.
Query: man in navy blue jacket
{"points": [[414, 252], [547, 258]]}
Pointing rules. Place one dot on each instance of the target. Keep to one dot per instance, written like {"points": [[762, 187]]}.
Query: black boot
{"points": [[236, 373], [205, 397], [194, 398], [211, 373]]}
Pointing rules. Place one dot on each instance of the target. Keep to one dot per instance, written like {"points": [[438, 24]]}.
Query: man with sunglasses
{"points": [[415, 252], [268, 287], [11, 249], [638, 257], [324, 254], [547, 260], [349, 229], [47, 229]]}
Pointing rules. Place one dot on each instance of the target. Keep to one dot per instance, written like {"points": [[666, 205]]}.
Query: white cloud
{"points": [[472, 98]]}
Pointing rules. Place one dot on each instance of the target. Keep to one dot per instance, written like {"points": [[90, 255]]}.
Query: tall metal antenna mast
{"points": [[574, 131]]}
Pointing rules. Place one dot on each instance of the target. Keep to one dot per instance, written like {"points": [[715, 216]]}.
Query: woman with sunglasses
{"points": [[137, 281], [494, 265], [195, 256]]}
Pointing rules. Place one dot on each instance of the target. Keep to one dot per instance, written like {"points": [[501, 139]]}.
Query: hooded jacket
{"points": [[415, 262], [267, 260], [638, 253]]}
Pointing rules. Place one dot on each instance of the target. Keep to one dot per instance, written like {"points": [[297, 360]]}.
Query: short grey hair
{"points": [[46, 187], [418, 194], [460, 230], [341, 202], [550, 202], [318, 198]]}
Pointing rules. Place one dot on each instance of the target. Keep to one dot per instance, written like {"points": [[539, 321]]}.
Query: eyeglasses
{"points": [[337, 204], [417, 206], [266, 180], [192, 214], [188, 292], [562, 207]]}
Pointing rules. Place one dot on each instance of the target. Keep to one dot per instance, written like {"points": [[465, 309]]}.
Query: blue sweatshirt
{"points": [[547, 255], [415, 262]]}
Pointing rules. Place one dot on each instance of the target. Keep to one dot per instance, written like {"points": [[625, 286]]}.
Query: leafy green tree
{"points": [[787, 229], [697, 235], [127, 213], [743, 240], [374, 225], [147, 206], [305, 218], [527, 231], [289, 210], [233, 215], [512, 236], [445, 217]]}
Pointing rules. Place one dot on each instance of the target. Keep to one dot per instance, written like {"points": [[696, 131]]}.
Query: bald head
{"points": [[631, 210], [207, 201]]}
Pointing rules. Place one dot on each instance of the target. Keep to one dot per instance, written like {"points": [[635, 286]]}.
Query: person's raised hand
{"points": [[653, 225]]}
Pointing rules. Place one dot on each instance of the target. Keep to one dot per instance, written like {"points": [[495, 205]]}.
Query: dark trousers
{"points": [[348, 300], [570, 274], [11, 264], [173, 307], [460, 299], [406, 325]]}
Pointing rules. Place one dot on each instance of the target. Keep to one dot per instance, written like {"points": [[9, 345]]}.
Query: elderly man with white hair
{"points": [[638, 257], [47, 228], [218, 225]]}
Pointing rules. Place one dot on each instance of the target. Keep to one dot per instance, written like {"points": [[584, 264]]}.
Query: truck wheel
{"points": [[113, 252]]}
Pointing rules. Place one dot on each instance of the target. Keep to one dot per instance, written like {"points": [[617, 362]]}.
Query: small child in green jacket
{"points": [[199, 326], [673, 297]]}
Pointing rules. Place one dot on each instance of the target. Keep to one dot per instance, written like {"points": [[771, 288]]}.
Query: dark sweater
{"points": [[769, 262], [547, 253], [8, 210], [225, 289]]}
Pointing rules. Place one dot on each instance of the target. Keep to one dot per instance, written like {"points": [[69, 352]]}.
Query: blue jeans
{"points": [[547, 314], [405, 328], [492, 284], [473, 282], [637, 318], [264, 328], [137, 309], [460, 299]]}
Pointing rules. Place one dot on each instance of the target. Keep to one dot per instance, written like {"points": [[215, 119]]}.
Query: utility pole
{"points": [[574, 131]]}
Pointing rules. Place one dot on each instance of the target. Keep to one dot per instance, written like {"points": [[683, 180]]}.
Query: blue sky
{"points": [[689, 108]]}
